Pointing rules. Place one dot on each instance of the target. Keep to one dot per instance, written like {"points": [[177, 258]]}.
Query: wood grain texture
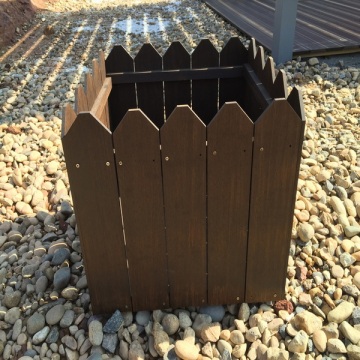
{"points": [[90, 90], [137, 149], [176, 92], [268, 76], [150, 95], [68, 118], [99, 106], [295, 99], [277, 146], [183, 146], [81, 103], [229, 157], [317, 27], [205, 92], [98, 86], [122, 96], [96, 201], [259, 62], [233, 54]]}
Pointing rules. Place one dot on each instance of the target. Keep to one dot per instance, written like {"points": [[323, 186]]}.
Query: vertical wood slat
{"points": [[183, 147], [150, 95], [68, 118], [205, 92], [137, 150], [277, 145], [268, 76], [81, 103], [92, 174], [259, 62], [98, 83], [229, 157], [280, 85], [176, 92], [233, 54], [122, 96], [102, 69]]}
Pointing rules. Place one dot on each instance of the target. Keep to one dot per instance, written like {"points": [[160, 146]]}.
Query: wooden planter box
{"points": [[183, 171]]}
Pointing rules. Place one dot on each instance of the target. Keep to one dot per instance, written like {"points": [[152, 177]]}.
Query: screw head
{"points": [[275, 295], [262, 149], [77, 166], [107, 163], [238, 298], [120, 163], [214, 152], [166, 158]]}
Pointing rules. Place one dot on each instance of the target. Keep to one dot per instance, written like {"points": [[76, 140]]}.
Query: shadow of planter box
{"points": [[183, 171]]}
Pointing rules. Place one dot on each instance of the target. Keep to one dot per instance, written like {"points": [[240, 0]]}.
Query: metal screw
{"points": [[120, 162], [237, 298], [77, 165], [203, 300], [126, 306], [214, 152], [261, 149], [275, 295], [164, 303], [107, 163], [166, 158]]}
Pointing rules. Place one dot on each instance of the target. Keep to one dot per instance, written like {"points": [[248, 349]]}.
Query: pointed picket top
{"points": [[229, 112], [68, 118], [182, 113], [102, 65], [176, 57], [205, 54], [233, 53], [81, 103], [133, 118], [280, 85], [119, 60], [252, 51], [90, 90], [96, 76], [259, 62], [268, 75], [147, 58], [279, 108], [295, 99]]}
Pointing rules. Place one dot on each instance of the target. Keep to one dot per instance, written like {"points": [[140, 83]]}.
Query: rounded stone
{"points": [[142, 317], [60, 256], [12, 315], [54, 315], [320, 340], [185, 350], [11, 299], [216, 312], [170, 324], [341, 312], [306, 232], [62, 278], [96, 332], [336, 346], [337, 271], [35, 323]]}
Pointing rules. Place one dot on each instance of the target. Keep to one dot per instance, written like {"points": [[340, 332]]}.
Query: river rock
{"points": [[54, 315], [299, 343], [185, 350], [136, 352], [341, 312], [216, 312], [35, 323], [96, 334], [211, 332], [170, 324], [320, 340], [336, 346], [308, 322]]}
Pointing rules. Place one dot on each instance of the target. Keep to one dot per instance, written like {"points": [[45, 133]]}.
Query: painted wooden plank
{"points": [[259, 62], [137, 150], [234, 53], [68, 118], [100, 103], [205, 92], [183, 147], [102, 68], [92, 175], [122, 96], [280, 85], [176, 92], [90, 90], [268, 75], [150, 95], [229, 157], [98, 85], [277, 146]]}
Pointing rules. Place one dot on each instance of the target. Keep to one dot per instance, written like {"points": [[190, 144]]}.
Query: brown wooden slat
{"points": [[81, 103], [259, 61], [137, 151], [102, 68], [98, 85], [229, 156], [90, 90], [176, 92], [295, 99], [184, 174], [205, 92], [233, 54], [98, 109], [252, 52], [280, 85], [277, 146], [92, 174], [268, 76], [68, 118], [150, 95], [122, 96]]}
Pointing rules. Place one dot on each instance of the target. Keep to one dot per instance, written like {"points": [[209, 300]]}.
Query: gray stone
{"points": [[136, 352], [356, 315], [299, 343], [184, 320], [313, 61], [60, 256], [41, 335], [41, 284], [53, 335], [216, 312], [346, 259], [67, 318], [200, 321], [11, 299], [244, 312], [170, 354], [55, 314], [170, 324], [62, 278], [12, 315], [113, 325], [35, 323], [95, 332], [110, 342], [143, 317]]}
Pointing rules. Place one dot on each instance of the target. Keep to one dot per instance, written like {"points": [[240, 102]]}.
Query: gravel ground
{"points": [[45, 308]]}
